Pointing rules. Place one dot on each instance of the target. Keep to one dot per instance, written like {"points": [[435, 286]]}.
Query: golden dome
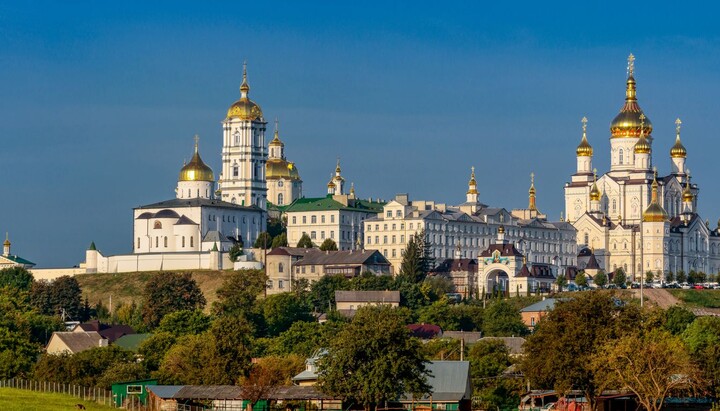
{"points": [[687, 195], [245, 109], [584, 149], [196, 169], [276, 140], [472, 184], [7, 240], [331, 184], [628, 122], [594, 193], [654, 213], [276, 168], [501, 229], [642, 146]]}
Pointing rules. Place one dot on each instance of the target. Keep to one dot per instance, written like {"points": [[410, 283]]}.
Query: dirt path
{"points": [[662, 298]]}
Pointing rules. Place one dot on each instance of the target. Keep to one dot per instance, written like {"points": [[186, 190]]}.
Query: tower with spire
{"points": [[244, 154], [282, 176], [655, 225]]}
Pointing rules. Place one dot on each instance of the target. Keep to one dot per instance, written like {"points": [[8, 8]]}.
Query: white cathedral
{"points": [[195, 229], [631, 218]]}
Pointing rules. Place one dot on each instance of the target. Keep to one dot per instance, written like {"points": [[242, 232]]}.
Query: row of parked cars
{"points": [[676, 285]]}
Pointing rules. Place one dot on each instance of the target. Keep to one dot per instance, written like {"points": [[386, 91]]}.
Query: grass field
{"points": [[126, 287], [698, 298], [12, 399]]}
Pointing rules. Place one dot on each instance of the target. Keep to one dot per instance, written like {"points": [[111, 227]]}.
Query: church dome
{"points": [[642, 146], [628, 123], [687, 195], [276, 168], [654, 213], [678, 150], [584, 149], [196, 169], [594, 192], [245, 109]]}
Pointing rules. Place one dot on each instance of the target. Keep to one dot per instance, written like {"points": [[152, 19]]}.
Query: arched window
{"points": [[280, 267], [165, 242], [621, 156], [157, 244], [157, 225], [280, 199], [138, 246], [191, 241], [183, 241]]}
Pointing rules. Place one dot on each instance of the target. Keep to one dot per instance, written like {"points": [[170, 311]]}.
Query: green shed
{"points": [[138, 388]]}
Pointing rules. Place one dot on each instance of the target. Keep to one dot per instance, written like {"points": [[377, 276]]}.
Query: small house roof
{"points": [[544, 305], [368, 296], [78, 341], [449, 382]]}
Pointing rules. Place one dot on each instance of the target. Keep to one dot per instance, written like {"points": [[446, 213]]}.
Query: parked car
{"points": [[698, 287], [635, 285], [685, 286]]}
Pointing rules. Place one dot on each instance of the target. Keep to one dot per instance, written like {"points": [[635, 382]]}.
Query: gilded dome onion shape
{"points": [[196, 169], [245, 109], [628, 123]]}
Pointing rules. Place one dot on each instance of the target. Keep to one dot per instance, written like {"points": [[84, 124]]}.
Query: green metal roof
{"points": [[327, 203], [18, 260], [131, 342]]}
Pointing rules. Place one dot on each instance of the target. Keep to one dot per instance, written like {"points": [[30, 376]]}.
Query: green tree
{"points": [[264, 241], [502, 319], [600, 279], [416, 260], [129, 314], [322, 291], [328, 245], [619, 279], [581, 279], [305, 242], [83, 368], [355, 369], [680, 276], [488, 360], [275, 227], [302, 338], [561, 282], [233, 344], [649, 276], [235, 251], [169, 292], [193, 360], [16, 277], [239, 291], [669, 277], [677, 319], [368, 281], [280, 240], [63, 296], [565, 340], [121, 371], [439, 285], [280, 311], [184, 322], [154, 348], [652, 365]]}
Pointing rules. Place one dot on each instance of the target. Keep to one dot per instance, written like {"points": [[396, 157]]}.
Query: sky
{"points": [[99, 101]]}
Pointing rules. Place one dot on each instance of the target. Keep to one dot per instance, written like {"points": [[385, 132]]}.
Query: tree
{"points": [[268, 373], [193, 360], [264, 241], [652, 365], [488, 360], [154, 348], [280, 311], [328, 245], [169, 292], [680, 276], [83, 368], [649, 276], [702, 337], [368, 281], [600, 279], [184, 322], [581, 279], [62, 296], [322, 291], [238, 292], [302, 338], [564, 342], [619, 279], [129, 314], [677, 319], [561, 282], [235, 251], [122, 371], [305, 242], [280, 240], [416, 260], [16, 277], [502, 319], [670, 277], [356, 369]]}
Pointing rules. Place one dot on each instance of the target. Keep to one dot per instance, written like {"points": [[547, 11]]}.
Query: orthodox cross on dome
{"points": [[584, 124], [276, 124], [631, 65], [472, 170], [197, 139], [532, 178], [677, 125]]}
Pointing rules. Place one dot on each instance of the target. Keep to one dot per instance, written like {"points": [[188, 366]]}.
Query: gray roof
{"points": [[214, 235], [293, 251], [198, 202], [368, 296], [470, 337], [184, 220], [164, 391], [349, 257], [449, 382], [544, 305], [78, 341], [514, 344], [209, 392]]}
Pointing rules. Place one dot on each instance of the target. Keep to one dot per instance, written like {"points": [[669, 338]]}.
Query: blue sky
{"points": [[100, 100]]}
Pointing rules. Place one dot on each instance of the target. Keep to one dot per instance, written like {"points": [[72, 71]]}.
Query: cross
{"points": [[595, 173], [197, 139], [472, 169], [532, 178], [584, 121], [655, 172], [631, 65], [276, 124], [677, 125]]}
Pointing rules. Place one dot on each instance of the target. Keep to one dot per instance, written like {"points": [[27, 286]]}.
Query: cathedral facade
{"points": [[630, 217]]}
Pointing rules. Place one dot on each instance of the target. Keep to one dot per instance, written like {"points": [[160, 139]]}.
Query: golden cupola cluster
{"points": [[678, 149], [584, 149], [472, 184], [196, 169], [245, 109], [643, 145], [628, 123], [655, 213], [594, 192]]}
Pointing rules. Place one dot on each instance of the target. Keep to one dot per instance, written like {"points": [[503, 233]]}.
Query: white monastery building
{"points": [[632, 218]]}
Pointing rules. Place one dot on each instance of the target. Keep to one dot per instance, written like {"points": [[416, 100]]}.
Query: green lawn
{"points": [[12, 399], [698, 298]]}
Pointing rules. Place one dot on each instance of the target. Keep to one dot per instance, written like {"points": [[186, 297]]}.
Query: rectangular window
{"points": [[332, 218], [393, 226], [377, 239], [384, 239], [393, 252], [411, 226], [402, 239], [377, 227], [322, 235], [281, 285], [312, 235], [369, 240], [312, 268], [313, 220], [294, 220], [332, 234], [398, 213], [191, 241], [389, 213], [134, 389], [304, 219], [322, 218], [393, 239], [269, 284]]}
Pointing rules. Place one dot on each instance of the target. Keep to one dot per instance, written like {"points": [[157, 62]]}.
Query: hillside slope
{"points": [[128, 287]]}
